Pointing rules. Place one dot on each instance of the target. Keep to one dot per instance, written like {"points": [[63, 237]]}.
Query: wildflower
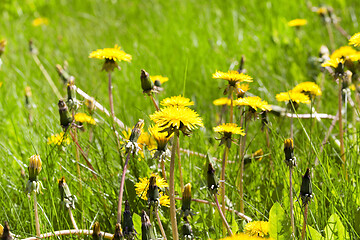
{"points": [[84, 118], [294, 97], [254, 103], [306, 188], [176, 101], [67, 199], [290, 159], [343, 52], [96, 231], [146, 84], [146, 230], [65, 118], [156, 184], [212, 183], [241, 89], [297, 22], [171, 119], [242, 236], [337, 64], [355, 40], [3, 43], [118, 234], [58, 139], [146, 139], [233, 77], [257, 228], [135, 134], [159, 80], [127, 223], [311, 89], [227, 130], [34, 169], [321, 11], [258, 155], [161, 139], [40, 21], [90, 103], [355, 57], [111, 56], [71, 101], [222, 101], [186, 200]]}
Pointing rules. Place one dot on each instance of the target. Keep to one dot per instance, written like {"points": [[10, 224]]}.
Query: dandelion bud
{"points": [[347, 79], [146, 84], [5, 232], [63, 74], [289, 153], [118, 235], [186, 230], [90, 103], [306, 188], [34, 167], [211, 180], [186, 200], [65, 118], [135, 134], [146, 231], [153, 192], [66, 197], [96, 231], [127, 223]]}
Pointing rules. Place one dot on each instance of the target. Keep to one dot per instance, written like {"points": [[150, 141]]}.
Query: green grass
{"points": [[186, 41]]}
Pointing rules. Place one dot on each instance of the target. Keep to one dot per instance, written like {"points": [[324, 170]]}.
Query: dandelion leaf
{"points": [[279, 222], [312, 234], [335, 230], [137, 222]]}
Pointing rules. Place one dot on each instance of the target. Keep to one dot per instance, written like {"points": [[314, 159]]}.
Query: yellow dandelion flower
{"points": [[142, 187], [40, 21], [233, 77], [254, 103], [114, 54], [222, 101], [160, 78], [161, 138], [355, 57], [334, 63], [229, 128], [242, 236], [297, 22], [164, 200], [176, 101], [257, 228], [146, 139], [84, 118], [296, 97], [322, 11], [177, 118], [308, 88], [1, 83], [58, 139], [343, 52], [355, 40], [258, 155], [1, 230]]}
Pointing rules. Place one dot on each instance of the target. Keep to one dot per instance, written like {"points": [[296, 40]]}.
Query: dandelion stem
{"points": [[163, 169], [77, 159], [241, 174], [73, 219], [37, 223], [122, 187], [231, 106], [292, 126], [172, 189], [341, 131], [222, 177], [222, 216], [111, 96], [160, 224], [154, 102], [291, 202], [331, 35], [179, 166], [303, 232]]}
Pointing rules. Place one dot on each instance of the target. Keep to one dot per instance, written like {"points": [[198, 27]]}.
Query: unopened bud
{"points": [[127, 222], [211, 180], [5, 233], [118, 235], [34, 167], [153, 192], [65, 118], [146, 230], [96, 231], [289, 152], [306, 188], [136, 131], [146, 84], [90, 103], [66, 197]]}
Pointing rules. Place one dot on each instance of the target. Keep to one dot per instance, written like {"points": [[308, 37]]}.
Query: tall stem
{"points": [[179, 166], [160, 225], [303, 232], [222, 216], [231, 106], [111, 96], [37, 223], [122, 188], [73, 219], [241, 177], [172, 189], [291, 202], [292, 126], [163, 169], [341, 131], [222, 177], [154, 102]]}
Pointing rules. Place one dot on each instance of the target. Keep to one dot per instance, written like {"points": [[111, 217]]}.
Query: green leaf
{"points": [[279, 223], [312, 234], [137, 222], [334, 229]]}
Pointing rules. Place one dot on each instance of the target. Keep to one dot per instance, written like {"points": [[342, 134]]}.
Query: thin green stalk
{"points": [[122, 188], [341, 131], [160, 225], [303, 232], [37, 223], [222, 216], [222, 177], [231, 106], [111, 96], [179, 166], [154, 102], [291, 202], [292, 126], [73, 219], [172, 189], [241, 174]]}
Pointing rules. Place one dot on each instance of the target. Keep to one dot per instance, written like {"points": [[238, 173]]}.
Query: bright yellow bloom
{"points": [[83, 117], [333, 62], [34, 167], [343, 52], [176, 101], [293, 96], [229, 128], [355, 57], [242, 236], [297, 22], [114, 54], [179, 118], [58, 139], [160, 78], [257, 228], [222, 101], [322, 11], [145, 139], [308, 88], [1, 83], [258, 155], [40, 21], [355, 40], [253, 102], [233, 77], [142, 187], [160, 137], [1, 230]]}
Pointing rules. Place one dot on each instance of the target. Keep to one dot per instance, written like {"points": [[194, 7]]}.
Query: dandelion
{"points": [[322, 11], [242, 236], [58, 139], [227, 130], [292, 96], [233, 77], [343, 52], [311, 89], [241, 89], [337, 64], [257, 228], [176, 101], [222, 101], [127, 223], [306, 196], [40, 21], [186, 201], [3, 43], [159, 80], [254, 103], [84, 118], [142, 188], [355, 40], [297, 22]]}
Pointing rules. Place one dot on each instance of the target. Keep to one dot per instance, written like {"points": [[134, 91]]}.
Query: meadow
{"points": [[187, 42]]}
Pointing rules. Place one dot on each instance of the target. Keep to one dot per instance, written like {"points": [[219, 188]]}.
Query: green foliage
{"points": [[334, 229], [279, 222]]}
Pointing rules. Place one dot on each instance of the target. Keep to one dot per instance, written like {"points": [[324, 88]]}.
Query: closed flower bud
{"points": [[34, 167], [66, 197], [65, 118], [290, 159], [146, 84], [118, 235], [96, 231], [146, 230], [90, 103], [127, 223], [135, 134], [63, 74], [211, 180], [28, 95], [306, 188], [5, 232], [153, 192], [186, 200]]}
